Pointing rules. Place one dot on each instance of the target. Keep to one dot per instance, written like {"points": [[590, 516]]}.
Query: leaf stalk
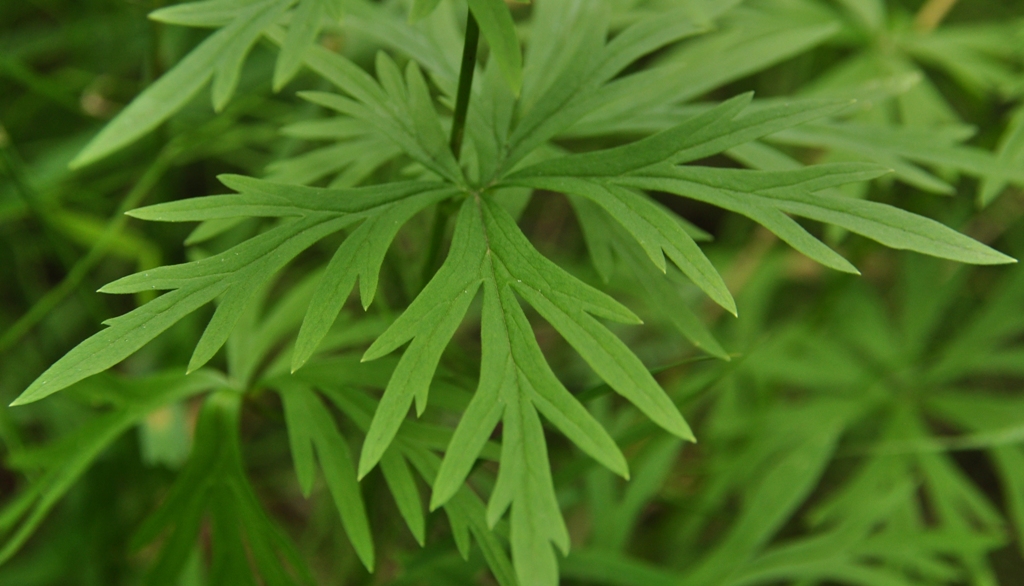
{"points": [[465, 83]]}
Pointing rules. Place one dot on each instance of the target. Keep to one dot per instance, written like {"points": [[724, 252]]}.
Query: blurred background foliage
{"points": [[867, 430]]}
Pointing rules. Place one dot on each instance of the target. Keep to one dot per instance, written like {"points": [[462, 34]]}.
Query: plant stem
{"points": [[465, 83], [932, 13]]}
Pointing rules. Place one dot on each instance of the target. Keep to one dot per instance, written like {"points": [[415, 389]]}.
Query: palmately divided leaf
{"points": [[360, 257], [745, 46], [397, 128], [516, 381], [513, 365], [236, 273]]}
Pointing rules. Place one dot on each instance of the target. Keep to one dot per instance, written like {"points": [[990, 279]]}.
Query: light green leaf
{"points": [[465, 511], [1010, 152], [61, 465], [316, 429], [407, 495], [749, 43], [665, 298], [299, 420], [702, 135], [422, 8], [157, 102], [499, 29], [895, 146], [236, 273], [211, 13], [587, 64], [657, 233], [250, 26], [122, 338], [302, 33], [219, 57], [563, 302], [360, 257], [430, 321], [885, 224]]}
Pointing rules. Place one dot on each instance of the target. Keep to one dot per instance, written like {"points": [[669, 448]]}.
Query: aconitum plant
{"points": [[548, 414]]}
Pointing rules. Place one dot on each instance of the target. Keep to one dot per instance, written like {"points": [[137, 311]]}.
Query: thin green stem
{"points": [[465, 83]]}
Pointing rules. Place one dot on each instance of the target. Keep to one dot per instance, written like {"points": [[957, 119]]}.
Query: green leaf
{"points": [[302, 33], [1010, 152], [407, 496], [664, 297], [701, 136], [895, 146], [465, 511], [250, 26], [747, 43], [395, 129], [586, 63], [422, 8], [360, 257], [123, 337], [66, 461], [350, 162], [513, 365], [258, 198], [430, 321], [516, 381], [498, 28], [656, 232], [793, 192], [210, 13], [219, 57], [157, 102], [299, 418], [524, 482], [213, 482], [310, 426], [791, 477], [236, 273]]}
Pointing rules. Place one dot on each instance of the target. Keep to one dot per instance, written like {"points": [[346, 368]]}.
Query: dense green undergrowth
{"points": [[624, 292]]}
